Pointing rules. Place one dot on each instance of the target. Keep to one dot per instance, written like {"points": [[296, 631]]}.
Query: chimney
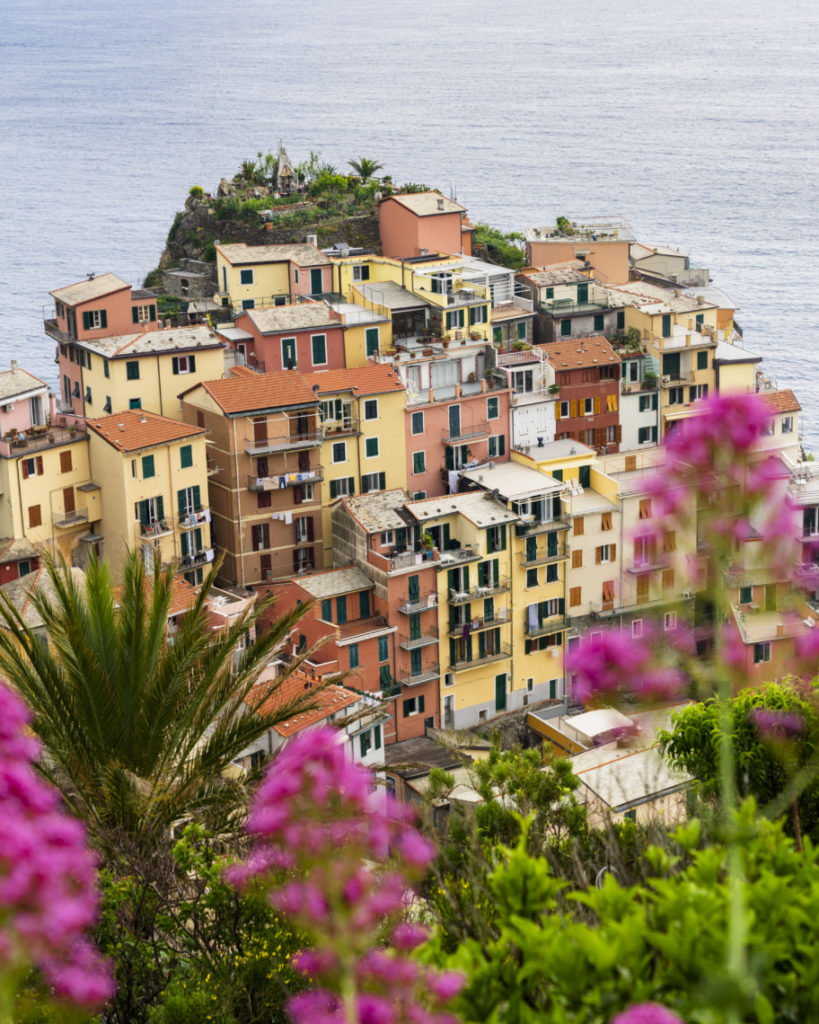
{"points": [[13, 365], [440, 203]]}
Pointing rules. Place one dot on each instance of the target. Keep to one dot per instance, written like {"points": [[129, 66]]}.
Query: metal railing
{"points": [[424, 602], [477, 593], [281, 481], [503, 651], [552, 624], [426, 675], [465, 433], [38, 438], [412, 643], [69, 519], [300, 439], [475, 625], [457, 556]]}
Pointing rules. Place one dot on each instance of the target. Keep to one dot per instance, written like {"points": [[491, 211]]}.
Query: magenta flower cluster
{"points": [[348, 855], [777, 725], [609, 664], [48, 896], [647, 1013]]}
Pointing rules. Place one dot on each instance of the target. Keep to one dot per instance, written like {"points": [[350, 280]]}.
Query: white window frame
{"points": [[637, 628], [605, 554], [377, 447], [588, 406], [143, 314], [413, 431], [313, 350], [765, 645], [183, 364], [669, 621], [366, 402], [787, 424], [387, 539], [565, 409]]}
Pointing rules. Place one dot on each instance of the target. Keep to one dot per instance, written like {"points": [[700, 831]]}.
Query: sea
{"points": [[696, 121]]}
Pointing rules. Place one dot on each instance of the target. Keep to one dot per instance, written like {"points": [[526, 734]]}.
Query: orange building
{"points": [[418, 223], [602, 245]]}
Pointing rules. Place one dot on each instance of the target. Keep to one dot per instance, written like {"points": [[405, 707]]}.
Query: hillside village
{"points": [[446, 458]]}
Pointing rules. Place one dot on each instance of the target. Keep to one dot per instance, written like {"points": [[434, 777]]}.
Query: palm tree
{"points": [[139, 729], [365, 168]]}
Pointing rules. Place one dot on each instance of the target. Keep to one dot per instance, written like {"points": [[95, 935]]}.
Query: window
{"points": [[383, 648], [371, 447], [666, 325], [531, 578], [361, 272], [419, 495], [414, 706], [598, 321], [417, 423], [608, 591], [105, 368], [327, 610], [478, 315], [523, 382], [289, 353], [186, 456], [645, 508], [668, 579], [134, 403], [492, 408], [497, 445], [319, 345], [603, 554], [246, 276], [700, 319], [762, 652], [184, 364], [787, 424], [143, 314], [647, 435], [574, 597], [697, 391], [565, 328], [65, 462], [646, 402], [419, 463], [352, 651], [563, 410], [454, 318], [669, 621], [552, 573], [341, 609], [605, 521], [371, 409], [371, 340], [637, 628], [676, 396], [94, 319], [35, 516], [32, 467], [577, 559], [373, 482], [148, 469], [343, 487], [264, 499], [132, 369], [579, 526], [588, 406], [670, 540], [339, 451], [746, 595]]}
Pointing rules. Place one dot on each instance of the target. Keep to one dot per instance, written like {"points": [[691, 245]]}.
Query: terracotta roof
{"points": [[183, 595], [781, 401], [361, 380], [302, 254], [91, 288], [329, 700], [245, 393], [19, 592], [427, 204], [575, 352], [132, 430]]}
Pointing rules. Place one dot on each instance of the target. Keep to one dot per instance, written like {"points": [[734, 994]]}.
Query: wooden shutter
{"points": [[574, 597], [135, 314], [175, 364], [103, 318], [39, 465], [577, 559], [573, 408], [25, 469], [153, 312], [65, 462], [598, 556], [597, 405], [613, 551], [579, 526], [86, 321]]}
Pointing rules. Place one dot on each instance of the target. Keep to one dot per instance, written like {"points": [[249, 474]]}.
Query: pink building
{"points": [[418, 223], [99, 307], [307, 336]]}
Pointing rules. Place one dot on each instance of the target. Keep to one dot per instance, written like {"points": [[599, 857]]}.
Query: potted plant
{"points": [[475, 335], [445, 340], [554, 389]]}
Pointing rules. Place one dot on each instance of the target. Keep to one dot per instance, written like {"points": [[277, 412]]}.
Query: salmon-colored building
{"points": [[587, 372], [419, 223], [601, 245], [18, 557], [99, 307], [375, 533], [307, 336]]}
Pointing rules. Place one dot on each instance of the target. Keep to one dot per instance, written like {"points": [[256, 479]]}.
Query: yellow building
{"points": [[255, 276], [147, 370], [472, 532], [361, 411], [155, 494]]}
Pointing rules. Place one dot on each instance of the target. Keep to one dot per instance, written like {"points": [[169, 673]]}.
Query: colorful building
{"points": [[602, 245], [418, 223], [587, 373], [307, 337], [570, 304], [155, 494], [255, 276]]}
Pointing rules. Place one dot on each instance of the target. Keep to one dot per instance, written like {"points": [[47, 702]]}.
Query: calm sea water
{"points": [[698, 122]]}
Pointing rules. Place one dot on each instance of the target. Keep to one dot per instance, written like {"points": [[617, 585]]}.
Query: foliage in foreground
{"points": [[565, 955]]}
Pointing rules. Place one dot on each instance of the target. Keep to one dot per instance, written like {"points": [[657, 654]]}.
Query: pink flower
{"points": [[777, 725], [446, 985], [647, 1013]]}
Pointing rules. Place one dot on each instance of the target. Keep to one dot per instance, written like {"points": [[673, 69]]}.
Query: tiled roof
{"points": [[302, 254], [92, 288], [19, 591], [576, 352], [334, 582], [781, 401], [478, 507], [426, 204], [379, 511], [361, 380], [328, 700], [132, 430], [18, 381], [12, 549], [254, 392], [183, 595], [166, 339], [553, 276], [300, 316]]}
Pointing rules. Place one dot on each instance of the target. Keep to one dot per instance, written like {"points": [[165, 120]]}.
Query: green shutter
{"points": [[175, 364], [160, 506], [135, 314], [471, 315], [86, 321], [327, 610], [196, 496], [183, 505], [153, 312], [503, 537], [561, 605], [103, 318], [490, 540]]}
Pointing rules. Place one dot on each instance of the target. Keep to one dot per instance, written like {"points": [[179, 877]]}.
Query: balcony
{"points": [[476, 625], [551, 625], [544, 558], [37, 438], [194, 518], [407, 643], [283, 442], [68, 519], [186, 562], [503, 651], [531, 527], [670, 380], [338, 428], [478, 593], [427, 675], [53, 331], [564, 307], [466, 432], [422, 603], [602, 609], [284, 480], [150, 531], [458, 556]]}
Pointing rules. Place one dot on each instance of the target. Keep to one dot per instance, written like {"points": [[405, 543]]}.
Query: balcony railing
{"points": [[551, 625], [197, 558], [503, 651], [283, 480], [427, 674], [422, 603], [544, 557], [466, 432], [195, 518], [300, 439], [69, 519], [502, 618], [149, 531], [477, 593], [670, 380], [38, 438], [603, 608], [457, 556], [408, 643], [530, 528], [334, 428]]}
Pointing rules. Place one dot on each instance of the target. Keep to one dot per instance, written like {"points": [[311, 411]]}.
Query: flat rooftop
{"points": [[514, 481], [478, 507]]}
